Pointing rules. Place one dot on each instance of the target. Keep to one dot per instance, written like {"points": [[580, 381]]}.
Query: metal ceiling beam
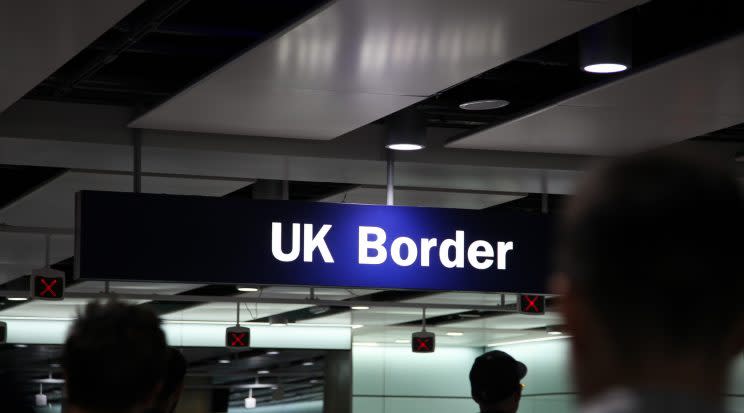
{"points": [[241, 299]]}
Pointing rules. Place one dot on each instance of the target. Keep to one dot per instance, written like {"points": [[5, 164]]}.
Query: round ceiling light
{"points": [[486, 104], [406, 131], [405, 146], [605, 68], [247, 289]]}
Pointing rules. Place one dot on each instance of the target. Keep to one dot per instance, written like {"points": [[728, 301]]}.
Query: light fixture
{"points": [[308, 363], [223, 361], [247, 289], [532, 340], [21, 345], [403, 341], [314, 381], [40, 400], [272, 353], [355, 326], [250, 401], [554, 331], [263, 372], [365, 344], [485, 104], [454, 334], [406, 131], [605, 68], [606, 47], [360, 307], [278, 321], [17, 298]]}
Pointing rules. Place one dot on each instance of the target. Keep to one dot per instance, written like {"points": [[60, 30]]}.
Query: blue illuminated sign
{"points": [[124, 236]]}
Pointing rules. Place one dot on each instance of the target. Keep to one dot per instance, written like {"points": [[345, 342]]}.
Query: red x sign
{"points": [[48, 286], [422, 342], [531, 304], [238, 337]]}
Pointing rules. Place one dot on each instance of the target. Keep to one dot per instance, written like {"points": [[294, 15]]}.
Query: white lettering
{"points": [[459, 244], [503, 248], [480, 249], [365, 245], [410, 246], [426, 245], [276, 242], [311, 242]]}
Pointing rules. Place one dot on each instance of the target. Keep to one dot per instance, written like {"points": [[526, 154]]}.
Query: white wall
{"points": [[394, 380]]}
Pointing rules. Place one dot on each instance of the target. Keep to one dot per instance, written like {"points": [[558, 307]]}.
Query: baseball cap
{"points": [[495, 375]]}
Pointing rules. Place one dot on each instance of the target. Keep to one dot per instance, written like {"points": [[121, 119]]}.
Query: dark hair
{"points": [[653, 241], [114, 357], [174, 374]]}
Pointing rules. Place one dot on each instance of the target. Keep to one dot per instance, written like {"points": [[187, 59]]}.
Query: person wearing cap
{"points": [[495, 382]]}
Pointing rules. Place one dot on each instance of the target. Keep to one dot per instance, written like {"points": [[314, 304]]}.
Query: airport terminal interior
{"points": [[335, 178]]}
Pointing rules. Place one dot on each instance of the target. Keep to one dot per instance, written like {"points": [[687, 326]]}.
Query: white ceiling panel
{"points": [[380, 316], [689, 96], [39, 36], [225, 312], [511, 321], [53, 205], [132, 287], [423, 198], [67, 308], [358, 60]]}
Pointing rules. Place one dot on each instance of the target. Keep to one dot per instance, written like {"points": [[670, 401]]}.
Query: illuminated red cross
{"points": [[531, 303], [237, 339], [48, 287], [422, 344]]}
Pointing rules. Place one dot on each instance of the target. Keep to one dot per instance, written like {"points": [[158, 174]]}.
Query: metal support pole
{"points": [[544, 188], [390, 178], [237, 316], [47, 250], [423, 320], [137, 167]]}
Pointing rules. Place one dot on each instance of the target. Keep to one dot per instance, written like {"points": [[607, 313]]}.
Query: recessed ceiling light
{"points": [[485, 104], [314, 381], [272, 353], [365, 344], [223, 361], [605, 68], [247, 289], [308, 363], [554, 333], [405, 146], [17, 298], [454, 333], [360, 307], [403, 341], [355, 326], [263, 372], [21, 345]]}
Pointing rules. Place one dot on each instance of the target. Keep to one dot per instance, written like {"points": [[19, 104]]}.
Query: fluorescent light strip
{"points": [[532, 340], [365, 344]]}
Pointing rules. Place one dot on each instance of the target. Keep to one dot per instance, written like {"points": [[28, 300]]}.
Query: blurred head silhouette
{"points": [[114, 359], [649, 267]]}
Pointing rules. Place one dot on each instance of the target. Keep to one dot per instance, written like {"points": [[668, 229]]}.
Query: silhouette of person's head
{"points": [[649, 267], [172, 383], [114, 359], [495, 382]]}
